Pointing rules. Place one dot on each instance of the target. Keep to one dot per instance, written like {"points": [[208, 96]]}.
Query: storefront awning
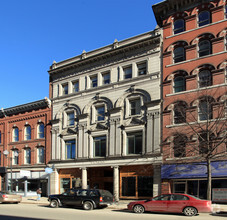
{"points": [[193, 170]]}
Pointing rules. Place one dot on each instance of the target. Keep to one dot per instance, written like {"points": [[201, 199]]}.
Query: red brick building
{"points": [[25, 145], [194, 70]]}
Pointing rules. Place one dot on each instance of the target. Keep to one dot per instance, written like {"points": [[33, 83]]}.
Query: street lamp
{"points": [[6, 153]]}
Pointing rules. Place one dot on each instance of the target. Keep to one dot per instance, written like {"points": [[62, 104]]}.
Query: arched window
{"points": [[178, 54], [204, 18], [27, 156], [179, 113], [27, 132], [40, 130], [205, 109], [40, 155], [179, 145], [15, 157], [205, 78], [15, 134], [179, 84], [204, 48], [179, 26]]}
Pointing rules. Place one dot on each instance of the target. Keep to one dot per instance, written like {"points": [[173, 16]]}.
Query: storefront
{"points": [[191, 178]]}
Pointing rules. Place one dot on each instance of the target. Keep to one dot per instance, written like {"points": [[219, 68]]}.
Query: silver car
{"points": [[8, 197]]}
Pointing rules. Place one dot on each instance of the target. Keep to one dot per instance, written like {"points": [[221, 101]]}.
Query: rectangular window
{"points": [[142, 69], [15, 134], [106, 78], [134, 143], [65, 89], [27, 156], [76, 86], [27, 135], [94, 81], [127, 72], [70, 118], [135, 106], [70, 149], [99, 146], [100, 113], [40, 155]]}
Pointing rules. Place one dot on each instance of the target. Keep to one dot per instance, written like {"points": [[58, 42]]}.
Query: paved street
{"points": [[39, 211]]}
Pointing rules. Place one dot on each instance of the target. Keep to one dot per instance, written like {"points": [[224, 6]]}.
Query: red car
{"points": [[176, 203]]}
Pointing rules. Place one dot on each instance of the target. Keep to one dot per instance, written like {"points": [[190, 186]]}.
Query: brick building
{"points": [[25, 142], [194, 70], [106, 119]]}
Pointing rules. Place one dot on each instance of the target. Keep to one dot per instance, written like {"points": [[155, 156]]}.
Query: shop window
{"points": [[179, 54], [128, 186], [179, 84], [204, 18], [205, 110], [179, 113], [99, 146], [204, 48], [179, 146], [27, 156], [15, 157], [100, 113], [134, 143], [106, 78], [40, 129], [70, 149], [94, 81], [142, 68], [127, 72], [64, 184], [135, 106], [40, 155], [76, 86], [145, 186], [179, 26], [65, 89], [27, 132], [205, 78], [15, 134], [70, 118]]}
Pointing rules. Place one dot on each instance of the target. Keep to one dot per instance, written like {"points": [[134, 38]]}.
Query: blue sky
{"points": [[34, 33]]}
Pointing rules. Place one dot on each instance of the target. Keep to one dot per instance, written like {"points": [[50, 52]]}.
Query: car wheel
{"points": [[138, 209], [190, 211], [54, 203], [88, 205]]}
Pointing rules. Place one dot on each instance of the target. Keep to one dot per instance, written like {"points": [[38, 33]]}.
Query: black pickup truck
{"points": [[86, 198]]}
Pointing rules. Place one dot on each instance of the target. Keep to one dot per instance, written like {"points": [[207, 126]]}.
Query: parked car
{"points": [[176, 203], [8, 197], [86, 198]]}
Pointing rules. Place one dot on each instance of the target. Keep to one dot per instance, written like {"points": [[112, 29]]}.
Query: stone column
{"points": [[157, 180], [157, 132], [84, 178], [54, 180], [116, 183]]}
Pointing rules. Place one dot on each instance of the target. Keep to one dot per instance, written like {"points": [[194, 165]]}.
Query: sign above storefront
{"points": [[193, 170], [26, 173]]}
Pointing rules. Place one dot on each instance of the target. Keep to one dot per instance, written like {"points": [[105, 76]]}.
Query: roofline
{"points": [[108, 48], [43, 103]]}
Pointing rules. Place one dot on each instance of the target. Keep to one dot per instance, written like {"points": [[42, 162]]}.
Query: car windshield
{"points": [[105, 192], [194, 197]]}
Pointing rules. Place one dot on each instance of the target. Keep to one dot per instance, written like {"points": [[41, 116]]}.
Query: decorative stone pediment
{"points": [[133, 121], [68, 131]]}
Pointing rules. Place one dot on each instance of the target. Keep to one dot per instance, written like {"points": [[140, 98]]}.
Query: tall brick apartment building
{"points": [[25, 142], [194, 68]]}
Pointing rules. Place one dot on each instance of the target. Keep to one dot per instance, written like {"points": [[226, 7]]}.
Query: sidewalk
{"points": [[122, 204]]}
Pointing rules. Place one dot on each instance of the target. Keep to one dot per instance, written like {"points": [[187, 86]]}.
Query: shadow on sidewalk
{"points": [[7, 217]]}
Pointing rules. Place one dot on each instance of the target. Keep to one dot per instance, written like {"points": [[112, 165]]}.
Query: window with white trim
{"points": [[65, 89], [15, 134], [179, 26], [15, 157], [40, 155], [127, 72], [70, 118], [142, 68], [135, 106], [205, 78], [27, 156], [134, 143], [205, 110], [106, 78], [204, 18], [204, 48], [70, 149], [40, 129], [76, 86], [94, 81], [99, 144], [27, 132], [100, 112]]}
